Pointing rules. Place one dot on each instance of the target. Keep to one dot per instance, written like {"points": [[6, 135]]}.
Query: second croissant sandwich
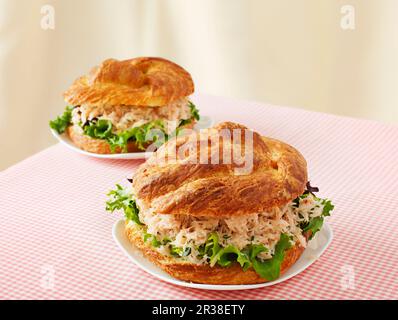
{"points": [[112, 109], [204, 222]]}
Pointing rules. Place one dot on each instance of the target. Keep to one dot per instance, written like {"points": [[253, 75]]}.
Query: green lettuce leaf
{"points": [[62, 122], [180, 252], [121, 199], [254, 249], [270, 269], [194, 111], [101, 129], [151, 132], [194, 116], [154, 241], [212, 247], [327, 207], [226, 256], [315, 224]]}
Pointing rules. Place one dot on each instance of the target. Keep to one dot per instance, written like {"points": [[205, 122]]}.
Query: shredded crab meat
{"points": [[259, 228], [125, 117]]}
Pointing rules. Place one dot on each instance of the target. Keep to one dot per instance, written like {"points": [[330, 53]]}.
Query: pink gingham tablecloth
{"points": [[56, 241]]}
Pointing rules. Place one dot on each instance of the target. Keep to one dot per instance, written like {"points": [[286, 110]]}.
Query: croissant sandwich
{"points": [[203, 217], [112, 109]]}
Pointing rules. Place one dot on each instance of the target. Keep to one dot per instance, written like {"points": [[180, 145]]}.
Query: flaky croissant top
{"points": [[278, 175], [137, 82]]}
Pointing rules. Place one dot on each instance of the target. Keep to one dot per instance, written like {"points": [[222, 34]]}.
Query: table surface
{"points": [[56, 241]]}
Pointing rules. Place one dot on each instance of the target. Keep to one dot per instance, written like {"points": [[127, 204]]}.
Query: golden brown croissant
{"points": [[145, 81], [183, 199]]}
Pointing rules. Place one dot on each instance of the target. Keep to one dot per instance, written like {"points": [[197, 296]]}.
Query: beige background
{"points": [[287, 52]]}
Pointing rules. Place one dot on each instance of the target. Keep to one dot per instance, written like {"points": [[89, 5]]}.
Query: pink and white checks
{"points": [[56, 242]]}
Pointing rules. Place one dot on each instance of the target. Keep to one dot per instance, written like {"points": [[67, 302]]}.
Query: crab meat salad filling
{"points": [[258, 240], [119, 125]]}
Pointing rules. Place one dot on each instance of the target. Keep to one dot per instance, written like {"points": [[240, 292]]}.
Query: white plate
{"points": [[314, 250], [203, 123]]}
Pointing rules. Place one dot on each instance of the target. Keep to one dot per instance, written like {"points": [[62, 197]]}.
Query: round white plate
{"points": [[314, 250], [203, 123]]}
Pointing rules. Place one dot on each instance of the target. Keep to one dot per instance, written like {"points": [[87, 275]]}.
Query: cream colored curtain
{"points": [[288, 52]]}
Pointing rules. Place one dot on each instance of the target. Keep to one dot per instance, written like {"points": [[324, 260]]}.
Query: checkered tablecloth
{"points": [[56, 241]]}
